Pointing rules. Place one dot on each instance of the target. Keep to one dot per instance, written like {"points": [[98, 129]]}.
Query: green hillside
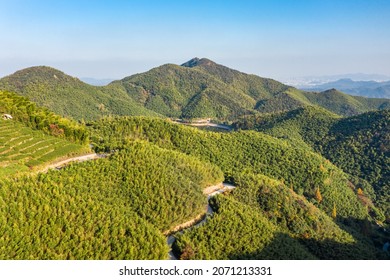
{"points": [[177, 91], [310, 168], [358, 144], [258, 153], [305, 125], [203, 88], [23, 149], [112, 208], [34, 136], [344, 104], [264, 219], [247, 234], [197, 88], [68, 96], [23, 110]]}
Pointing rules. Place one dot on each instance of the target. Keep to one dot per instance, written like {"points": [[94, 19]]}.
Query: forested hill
{"points": [[197, 88], [285, 193], [359, 144], [203, 88], [290, 202], [70, 97], [344, 104]]}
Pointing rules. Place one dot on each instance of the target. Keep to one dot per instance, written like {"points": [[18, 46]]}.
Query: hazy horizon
{"points": [[276, 39]]}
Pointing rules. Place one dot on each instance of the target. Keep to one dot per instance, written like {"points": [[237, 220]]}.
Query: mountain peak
{"points": [[39, 73], [198, 62]]}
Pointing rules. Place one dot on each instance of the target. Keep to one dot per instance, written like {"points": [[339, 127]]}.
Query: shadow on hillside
{"points": [[284, 247], [365, 232]]}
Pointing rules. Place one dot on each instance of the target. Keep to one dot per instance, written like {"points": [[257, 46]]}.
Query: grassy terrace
{"points": [[22, 148]]}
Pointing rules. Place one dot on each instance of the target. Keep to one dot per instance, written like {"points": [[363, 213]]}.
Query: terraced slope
{"points": [[22, 148]]}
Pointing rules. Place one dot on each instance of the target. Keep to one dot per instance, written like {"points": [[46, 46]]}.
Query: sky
{"points": [[277, 39]]}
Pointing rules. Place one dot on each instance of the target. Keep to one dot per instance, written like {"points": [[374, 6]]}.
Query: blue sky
{"points": [[114, 39]]}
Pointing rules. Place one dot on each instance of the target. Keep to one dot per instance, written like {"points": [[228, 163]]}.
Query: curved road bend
{"points": [[171, 238], [62, 163]]}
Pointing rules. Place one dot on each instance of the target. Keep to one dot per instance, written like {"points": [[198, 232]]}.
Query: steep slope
{"points": [[32, 137], [25, 111], [252, 85], [23, 149], [68, 96], [258, 153], [177, 91], [358, 144], [198, 88], [262, 218], [203, 88], [110, 208]]}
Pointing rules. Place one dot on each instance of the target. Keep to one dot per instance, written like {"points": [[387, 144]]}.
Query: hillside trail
{"points": [[64, 162], [201, 219]]}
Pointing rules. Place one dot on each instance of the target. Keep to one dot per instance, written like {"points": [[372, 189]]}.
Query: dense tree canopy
{"points": [[113, 208]]}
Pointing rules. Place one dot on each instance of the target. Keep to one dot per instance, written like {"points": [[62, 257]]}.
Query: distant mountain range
{"points": [[361, 88], [312, 81], [198, 88]]}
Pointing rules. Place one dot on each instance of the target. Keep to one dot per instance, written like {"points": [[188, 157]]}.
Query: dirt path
{"points": [[66, 161]]}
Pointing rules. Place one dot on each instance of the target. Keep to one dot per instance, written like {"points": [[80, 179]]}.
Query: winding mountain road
{"points": [[197, 221], [210, 192]]}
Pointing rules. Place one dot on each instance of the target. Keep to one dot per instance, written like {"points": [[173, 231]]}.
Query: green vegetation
{"points": [[198, 88], [264, 219], [310, 183], [346, 105], [306, 125], [23, 149], [68, 96], [236, 231], [203, 88], [235, 152], [114, 208], [302, 220], [25, 111], [358, 145]]}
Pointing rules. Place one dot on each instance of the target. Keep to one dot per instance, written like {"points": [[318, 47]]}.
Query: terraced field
{"points": [[23, 149]]}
